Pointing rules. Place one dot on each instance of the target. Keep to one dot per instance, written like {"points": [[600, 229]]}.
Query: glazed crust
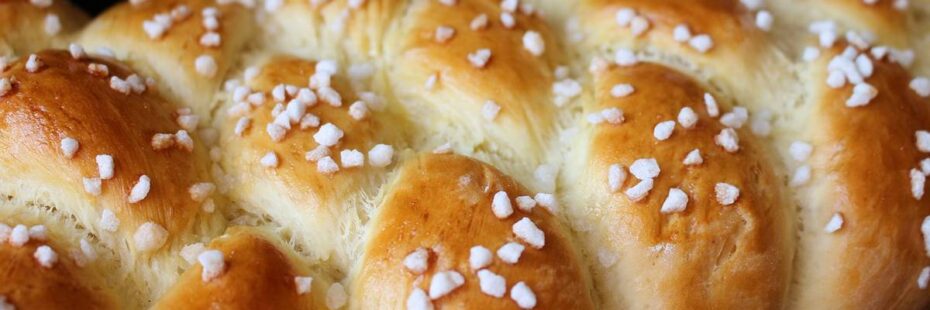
{"points": [[406, 82], [452, 107], [23, 30], [62, 100], [740, 254], [861, 170], [258, 275], [443, 203], [170, 59], [296, 191], [28, 285]]}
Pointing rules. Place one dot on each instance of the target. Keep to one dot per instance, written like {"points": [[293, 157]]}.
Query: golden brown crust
{"points": [[443, 203], [294, 169], [727, 22], [258, 275], [28, 285], [22, 25], [730, 23], [356, 226], [295, 191], [513, 78], [171, 58], [861, 169], [63, 100], [739, 48], [739, 255]]}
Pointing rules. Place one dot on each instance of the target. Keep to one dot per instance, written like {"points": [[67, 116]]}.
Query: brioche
{"points": [[117, 29], [30, 27], [258, 275], [32, 285], [421, 154], [331, 211], [408, 221], [437, 82], [666, 252]]}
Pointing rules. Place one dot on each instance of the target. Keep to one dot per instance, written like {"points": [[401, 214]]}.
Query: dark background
{"points": [[94, 7]]}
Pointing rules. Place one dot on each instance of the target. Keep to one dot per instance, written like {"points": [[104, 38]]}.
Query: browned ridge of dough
{"points": [[442, 203]]}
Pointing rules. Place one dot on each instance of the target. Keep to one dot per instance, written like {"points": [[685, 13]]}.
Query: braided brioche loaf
{"points": [[429, 154]]}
